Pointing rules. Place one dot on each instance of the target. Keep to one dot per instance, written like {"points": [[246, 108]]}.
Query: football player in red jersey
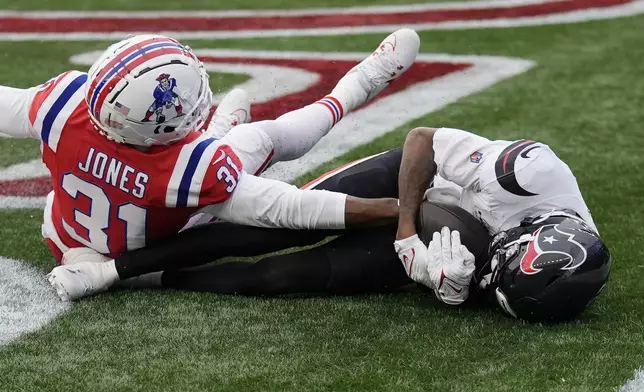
{"points": [[123, 177]]}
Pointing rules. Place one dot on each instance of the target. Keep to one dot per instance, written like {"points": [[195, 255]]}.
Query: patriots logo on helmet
{"points": [[552, 246], [164, 97]]}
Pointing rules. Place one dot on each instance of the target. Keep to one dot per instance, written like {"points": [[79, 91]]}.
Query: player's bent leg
{"points": [[357, 262], [252, 145], [372, 177], [365, 262], [275, 275], [295, 133], [204, 244]]}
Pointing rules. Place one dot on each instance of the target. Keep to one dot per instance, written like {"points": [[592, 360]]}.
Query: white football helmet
{"points": [[148, 90]]}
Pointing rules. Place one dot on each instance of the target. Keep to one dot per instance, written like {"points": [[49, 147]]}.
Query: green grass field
{"points": [[584, 98]]}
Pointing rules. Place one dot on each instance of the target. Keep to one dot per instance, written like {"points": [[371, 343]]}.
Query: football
{"points": [[434, 215]]}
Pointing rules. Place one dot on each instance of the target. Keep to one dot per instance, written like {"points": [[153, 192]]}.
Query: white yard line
{"points": [[635, 384], [22, 171], [383, 9], [629, 9], [19, 202], [27, 302]]}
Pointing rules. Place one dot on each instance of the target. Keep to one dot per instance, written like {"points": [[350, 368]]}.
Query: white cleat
{"points": [[393, 57], [233, 110], [82, 279]]}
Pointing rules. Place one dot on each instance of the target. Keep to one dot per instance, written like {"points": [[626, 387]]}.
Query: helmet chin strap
{"points": [[503, 252], [489, 280], [504, 303], [522, 240]]}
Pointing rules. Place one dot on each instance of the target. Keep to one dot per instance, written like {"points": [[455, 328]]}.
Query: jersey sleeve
{"points": [[457, 155], [222, 176], [262, 202], [206, 172], [53, 103], [14, 106]]}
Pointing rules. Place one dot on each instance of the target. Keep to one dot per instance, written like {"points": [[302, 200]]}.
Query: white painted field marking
{"points": [[19, 202], [635, 7], [635, 384], [21, 171], [369, 10], [267, 82], [27, 302]]}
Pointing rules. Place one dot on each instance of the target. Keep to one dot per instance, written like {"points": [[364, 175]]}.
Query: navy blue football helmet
{"points": [[548, 269]]}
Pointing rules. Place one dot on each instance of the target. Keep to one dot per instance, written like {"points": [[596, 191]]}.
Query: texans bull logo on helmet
{"points": [[552, 246]]}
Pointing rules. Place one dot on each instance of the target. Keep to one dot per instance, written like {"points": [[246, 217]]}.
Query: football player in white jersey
{"points": [[547, 260]]}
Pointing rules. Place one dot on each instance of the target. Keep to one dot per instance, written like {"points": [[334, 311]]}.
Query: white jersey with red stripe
{"points": [[503, 182], [112, 197]]}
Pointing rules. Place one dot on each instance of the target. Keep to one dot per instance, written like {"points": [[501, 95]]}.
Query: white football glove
{"points": [[415, 257], [78, 255], [450, 267]]}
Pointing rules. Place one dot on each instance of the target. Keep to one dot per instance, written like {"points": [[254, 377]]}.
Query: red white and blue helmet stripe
{"points": [[123, 63]]}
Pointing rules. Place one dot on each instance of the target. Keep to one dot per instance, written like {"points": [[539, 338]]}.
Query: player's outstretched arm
{"points": [[14, 106], [417, 168], [262, 202], [416, 171]]}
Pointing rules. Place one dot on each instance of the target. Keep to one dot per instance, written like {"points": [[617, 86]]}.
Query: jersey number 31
{"points": [[98, 219]]}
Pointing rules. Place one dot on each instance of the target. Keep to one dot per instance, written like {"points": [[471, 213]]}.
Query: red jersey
{"points": [[113, 197]]}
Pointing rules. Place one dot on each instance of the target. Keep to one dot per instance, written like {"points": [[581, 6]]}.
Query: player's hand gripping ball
{"points": [[450, 267], [413, 254]]}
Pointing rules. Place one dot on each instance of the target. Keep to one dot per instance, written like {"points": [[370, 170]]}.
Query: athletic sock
{"points": [[334, 107], [352, 90]]}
